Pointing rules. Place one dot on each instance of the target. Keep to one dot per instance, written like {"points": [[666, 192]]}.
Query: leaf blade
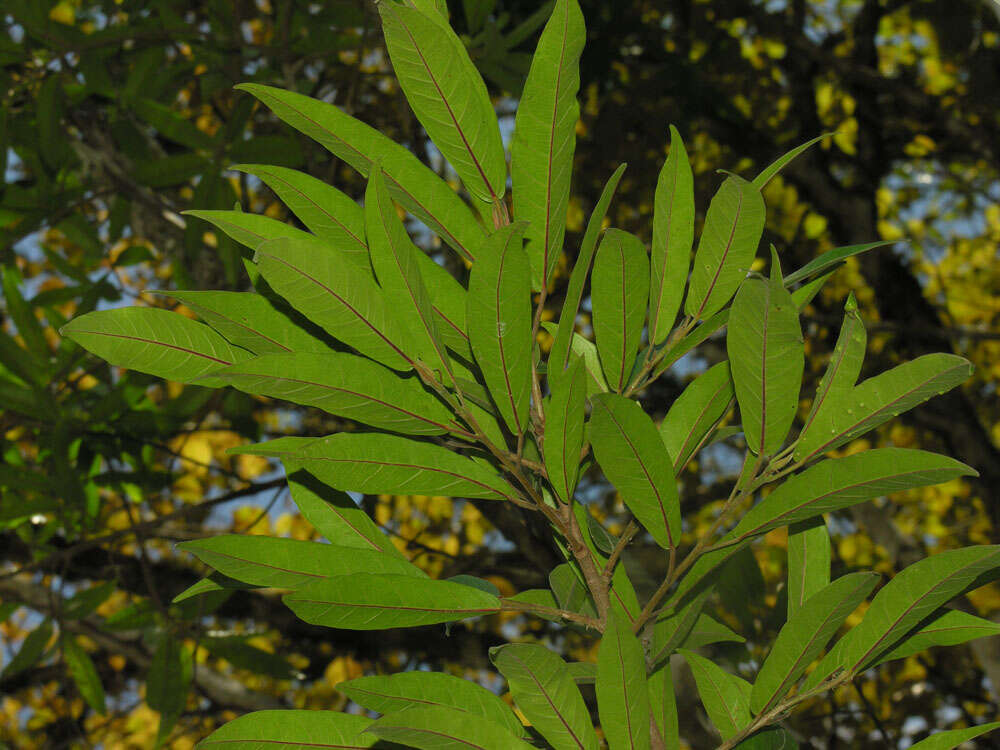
{"points": [[622, 692]]}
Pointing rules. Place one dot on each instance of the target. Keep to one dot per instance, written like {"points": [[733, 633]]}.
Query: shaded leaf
{"points": [[441, 728], [499, 320], [673, 234], [564, 415], [545, 138], [543, 688], [84, 673], [733, 226], [622, 692], [633, 457], [695, 413], [946, 627], [619, 291], [366, 601], [725, 696]]}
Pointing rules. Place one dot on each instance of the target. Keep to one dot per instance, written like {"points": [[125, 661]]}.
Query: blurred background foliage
{"points": [[118, 115]]}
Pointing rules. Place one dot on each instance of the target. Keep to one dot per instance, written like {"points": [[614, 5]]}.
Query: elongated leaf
{"points": [[673, 233], [770, 738], [545, 138], [346, 386], [808, 561], [902, 604], [499, 319], [559, 358], [707, 631], [388, 694], [448, 97], [880, 398], [952, 738], [243, 655], [564, 414], [32, 648], [570, 590], [290, 563], [23, 314], [442, 728], [841, 482], [414, 185], [84, 673], [663, 703], [154, 341], [619, 290], [733, 226], [622, 692], [340, 297], [252, 230], [725, 696], [545, 693], [168, 681], [767, 359], [292, 730], [946, 627], [633, 457], [334, 514], [387, 464], [366, 601], [832, 258], [913, 594], [842, 371], [585, 350], [448, 299], [397, 267], [805, 635], [250, 321], [695, 413], [328, 213], [672, 629], [778, 164]]}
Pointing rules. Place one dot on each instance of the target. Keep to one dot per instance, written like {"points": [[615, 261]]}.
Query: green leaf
{"points": [[289, 563], [154, 341], [441, 728], [344, 385], [952, 738], [842, 371], [23, 315], [327, 212], [805, 635], [663, 703], [767, 357], [171, 170], [671, 629], [84, 602], [570, 590], [771, 738], [499, 320], [725, 696], [559, 358], [842, 482], [622, 692], [168, 682], [707, 631], [673, 234], [448, 299], [243, 655], [585, 350], [831, 259], [564, 414], [778, 164], [808, 561], [619, 291], [367, 601], [389, 694], [913, 594], [635, 460], [250, 321], [253, 230], [292, 730], [340, 297], [695, 413], [545, 138], [334, 514], [543, 688], [733, 226], [448, 97], [395, 260], [172, 125], [946, 627], [84, 673], [388, 464], [411, 183], [880, 398], [31, 651]]}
